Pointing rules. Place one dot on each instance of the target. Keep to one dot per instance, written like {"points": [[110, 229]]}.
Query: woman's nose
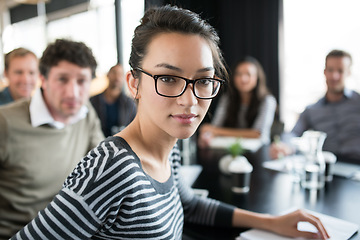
{"points": [[188, 98]]}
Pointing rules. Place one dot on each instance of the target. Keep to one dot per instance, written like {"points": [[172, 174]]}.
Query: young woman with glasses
{"points": [[129, 186]]}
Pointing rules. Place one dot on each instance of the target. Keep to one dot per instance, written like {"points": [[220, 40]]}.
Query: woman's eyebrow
{"points": [[168, 66], [206, 69], [171, 67]]}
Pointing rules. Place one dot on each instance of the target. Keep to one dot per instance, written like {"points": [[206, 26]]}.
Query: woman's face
{"points": [[245, 77], [183, 55]]}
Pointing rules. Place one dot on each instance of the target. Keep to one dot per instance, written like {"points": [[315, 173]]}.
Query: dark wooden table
{"points": [[271, 192]]}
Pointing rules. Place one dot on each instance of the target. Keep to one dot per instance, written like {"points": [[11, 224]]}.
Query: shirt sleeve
{"points": [[70, 215], [220, 112], [66, 217], [265, 118], [204, 211], [302, 124], [196, 209]]}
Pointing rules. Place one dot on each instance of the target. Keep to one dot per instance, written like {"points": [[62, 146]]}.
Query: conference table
{"points": [[270, 192]]}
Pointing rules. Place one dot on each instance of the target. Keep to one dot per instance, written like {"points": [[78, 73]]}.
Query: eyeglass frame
{"points": [[188, 81]]}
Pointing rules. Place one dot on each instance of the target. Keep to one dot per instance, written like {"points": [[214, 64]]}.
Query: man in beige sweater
{"points": [[42, 139]]}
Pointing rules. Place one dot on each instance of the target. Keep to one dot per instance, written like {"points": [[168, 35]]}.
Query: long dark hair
{"points": [[258, 94]]}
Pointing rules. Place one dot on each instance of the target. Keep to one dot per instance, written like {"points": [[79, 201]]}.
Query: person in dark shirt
{"points": [[114, 108], [337, 114]]}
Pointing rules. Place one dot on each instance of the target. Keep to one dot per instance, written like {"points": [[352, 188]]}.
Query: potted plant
{"points": [[235, 152]]}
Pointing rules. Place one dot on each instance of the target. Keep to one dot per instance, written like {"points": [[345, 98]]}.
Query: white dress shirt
{"points": [[40, 114]]}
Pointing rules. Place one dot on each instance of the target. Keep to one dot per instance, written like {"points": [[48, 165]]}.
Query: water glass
{"points": [[314, 170]]}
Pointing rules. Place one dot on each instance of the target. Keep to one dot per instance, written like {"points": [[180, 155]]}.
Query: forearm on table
{"points": [[244, 218], [235, 132]]}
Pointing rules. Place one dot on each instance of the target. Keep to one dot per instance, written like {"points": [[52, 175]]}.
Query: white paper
{"points": [[190, 173], [277, 165], [338, 229], [342, 169], [347, 170], [251, 144]]}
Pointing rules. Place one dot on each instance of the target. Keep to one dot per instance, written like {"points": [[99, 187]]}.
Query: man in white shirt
{"points": [[42, 139]]}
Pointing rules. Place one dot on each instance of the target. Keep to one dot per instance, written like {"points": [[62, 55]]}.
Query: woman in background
{"points": [[248, 108], [129, 186]]}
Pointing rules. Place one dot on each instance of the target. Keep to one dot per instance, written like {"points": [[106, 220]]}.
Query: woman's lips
{"points": [[184, 118]]}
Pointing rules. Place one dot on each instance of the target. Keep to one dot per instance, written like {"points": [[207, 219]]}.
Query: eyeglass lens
{"points": [[174, 86]]}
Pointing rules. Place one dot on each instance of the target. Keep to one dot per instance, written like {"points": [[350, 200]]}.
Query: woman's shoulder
{"points": [[270, 97], [112, 158], [110, 148], [269, 100]]}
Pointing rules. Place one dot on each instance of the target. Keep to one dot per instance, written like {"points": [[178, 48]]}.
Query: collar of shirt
{"points": [[40, 115], [348, 93]]}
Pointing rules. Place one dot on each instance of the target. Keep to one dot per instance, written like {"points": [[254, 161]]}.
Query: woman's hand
{"points": [[279, 150], [287, 225]]}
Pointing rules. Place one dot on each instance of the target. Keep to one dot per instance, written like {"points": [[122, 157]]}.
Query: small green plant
{"points": [[236, 148]]}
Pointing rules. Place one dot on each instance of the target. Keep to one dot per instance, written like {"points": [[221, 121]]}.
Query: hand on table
{"points": [[279, 150], [287, 225]]}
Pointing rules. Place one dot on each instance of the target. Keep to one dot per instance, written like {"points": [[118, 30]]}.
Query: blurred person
{"points": [[22, 73], [129, 186], [114, 108], [43, 138], [248, 108], [337, 113]]}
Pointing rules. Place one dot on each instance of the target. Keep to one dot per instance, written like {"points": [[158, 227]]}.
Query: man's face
{"points": [[336, 71], [22, 75], [66, 89], [116, 77]]}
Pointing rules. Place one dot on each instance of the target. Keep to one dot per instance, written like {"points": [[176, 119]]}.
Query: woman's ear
{"points": [[133, 85]]}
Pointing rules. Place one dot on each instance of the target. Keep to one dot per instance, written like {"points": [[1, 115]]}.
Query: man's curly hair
{"points": [[66, 50]]}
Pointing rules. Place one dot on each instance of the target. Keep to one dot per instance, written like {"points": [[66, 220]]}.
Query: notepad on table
{"points": [[338, 229], [251, 144]]}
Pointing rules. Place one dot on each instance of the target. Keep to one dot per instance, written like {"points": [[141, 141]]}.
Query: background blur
{"points": [[290, 37]]}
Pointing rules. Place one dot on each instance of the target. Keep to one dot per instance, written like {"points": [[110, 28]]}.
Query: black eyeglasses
{"points": [[174, 86]]}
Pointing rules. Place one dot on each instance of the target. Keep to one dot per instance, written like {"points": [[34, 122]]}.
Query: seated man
{"points": [[114, 108], [43, 138], [22, 74], [337, 113]]}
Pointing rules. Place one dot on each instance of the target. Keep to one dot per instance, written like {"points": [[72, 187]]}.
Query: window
{"points": [[311, 30], [92, 23]]}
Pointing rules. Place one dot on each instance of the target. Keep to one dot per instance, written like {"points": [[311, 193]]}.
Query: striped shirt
{"points": [[109, 196]]}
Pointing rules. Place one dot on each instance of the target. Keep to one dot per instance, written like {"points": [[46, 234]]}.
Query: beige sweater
{"points": [[34, 162]]}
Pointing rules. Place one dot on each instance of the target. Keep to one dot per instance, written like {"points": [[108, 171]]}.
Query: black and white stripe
{"points": [[109, 196]]}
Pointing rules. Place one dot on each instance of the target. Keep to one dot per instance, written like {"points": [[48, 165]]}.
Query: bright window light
{"points": [[312, 28]]}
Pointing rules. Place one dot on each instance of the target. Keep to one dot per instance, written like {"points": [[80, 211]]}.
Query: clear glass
{"points": [[175, 86], [314, 169]]}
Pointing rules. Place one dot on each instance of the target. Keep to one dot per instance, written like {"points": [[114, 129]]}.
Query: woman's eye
{"points": [[167, 79], [204, 81]]}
